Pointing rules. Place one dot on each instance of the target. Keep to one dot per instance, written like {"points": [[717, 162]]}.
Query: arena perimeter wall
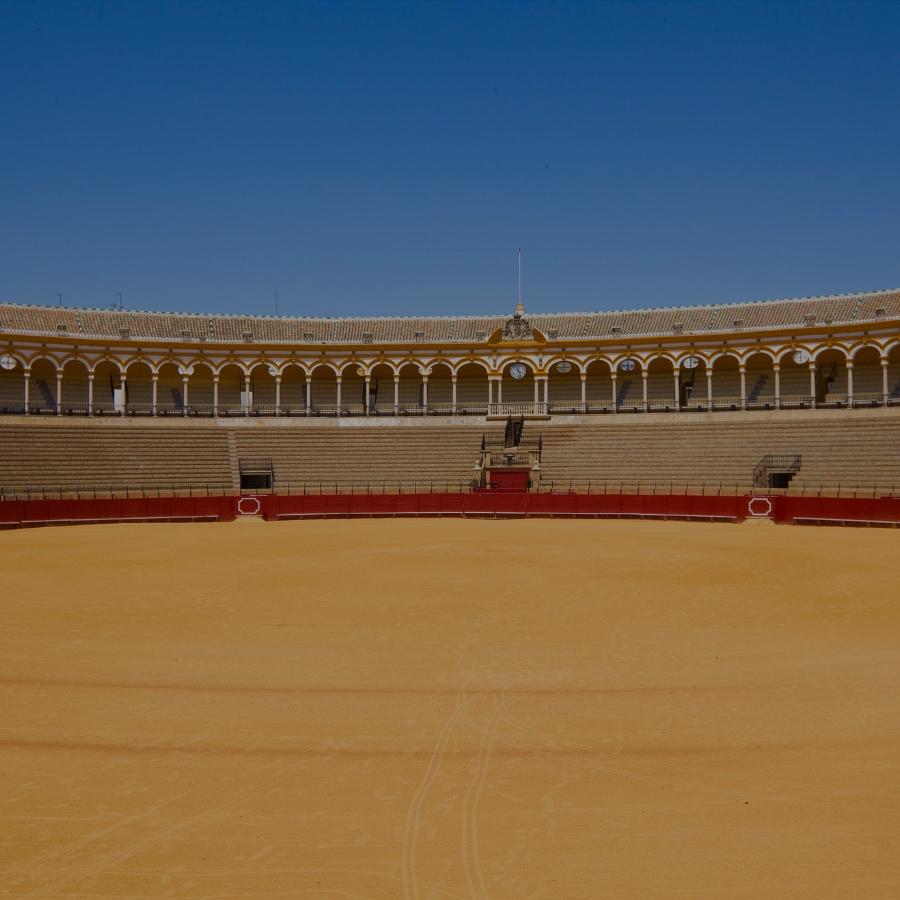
{"points": [[486, 504]]}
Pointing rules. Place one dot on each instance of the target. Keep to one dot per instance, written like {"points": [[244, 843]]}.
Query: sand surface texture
{"points": [[450, 709]]}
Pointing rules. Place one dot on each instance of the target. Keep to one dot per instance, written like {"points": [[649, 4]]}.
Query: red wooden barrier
{"points": [[879, 510]]}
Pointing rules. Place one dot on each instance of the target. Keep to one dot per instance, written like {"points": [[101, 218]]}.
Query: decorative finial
{"points": [[520, 310]]}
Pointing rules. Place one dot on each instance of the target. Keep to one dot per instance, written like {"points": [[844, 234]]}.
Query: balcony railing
{"points": [[169, 408], [526, 408]]}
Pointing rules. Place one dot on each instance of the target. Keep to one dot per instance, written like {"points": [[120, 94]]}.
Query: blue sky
{"points": [[389, 159]]}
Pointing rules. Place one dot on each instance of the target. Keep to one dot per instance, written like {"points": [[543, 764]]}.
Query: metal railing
{"points": [[524, 408], [866, 399], [712, 487], [105, 491], [772, 463]]}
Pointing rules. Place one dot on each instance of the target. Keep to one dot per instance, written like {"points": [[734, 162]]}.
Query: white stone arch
{"points": [[822, 349], [578, 363], [479, 361], [750, 352], [733, 352], [681, 356], [615, 360], [859, 346], [504, 362], [241, 364]]}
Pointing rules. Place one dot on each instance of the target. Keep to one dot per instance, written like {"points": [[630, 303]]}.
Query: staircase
{"points": [[784, 465]]}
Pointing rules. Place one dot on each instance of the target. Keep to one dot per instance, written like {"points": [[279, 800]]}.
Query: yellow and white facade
{"points": [[840, 351]]}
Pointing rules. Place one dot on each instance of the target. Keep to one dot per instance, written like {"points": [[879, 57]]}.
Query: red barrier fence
{"points": [[27, 513], [490, 504]]}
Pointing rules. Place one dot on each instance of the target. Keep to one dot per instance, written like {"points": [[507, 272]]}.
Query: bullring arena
{"points": [[502, 607]]}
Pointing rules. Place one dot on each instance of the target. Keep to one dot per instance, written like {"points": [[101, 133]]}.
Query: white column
{"points": [[709, 397], [153, 402], [584, 392], [777, 369], [123, 386], [500, 389], [59, 392], [453, 395], [90, 393], [884, 381], [490, 390], [644, 389], [338, 380], [184, 395], [27, 374], [743, 370], [247, 392], [677, 373], [307, 393], [396, 395], [615, 391], [278, 395], [536, 394], [849, 383], [366, 395], [215, 395], [812, 381], [424, 394]]}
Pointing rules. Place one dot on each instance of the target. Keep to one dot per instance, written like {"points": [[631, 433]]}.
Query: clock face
{"points": [[518, 370], [692, 362], [627, 365], [7, 363], [801, 357], [564, 367]]}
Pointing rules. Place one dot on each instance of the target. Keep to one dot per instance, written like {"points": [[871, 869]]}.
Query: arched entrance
{"points": [[831, 379], [893, 376], [867, 378], [12, 384], [440, 390], [75, 389], [231, 389], [110, 392], [471, 389], [381, 390], [410, 390], [353, 390], [564, 387], [139, 388], [661, 395], [793, 380], [726, 383], [169, 399], [760, 381], [201, 390], [517, 390], [323, 391], [293, 390], [693, 384]]}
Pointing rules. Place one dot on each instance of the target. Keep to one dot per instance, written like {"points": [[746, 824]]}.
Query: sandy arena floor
{"points": [[450, 709]]}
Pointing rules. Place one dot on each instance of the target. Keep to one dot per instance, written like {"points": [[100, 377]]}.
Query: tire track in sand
{"points": [[470, 851], [414, 813]]}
